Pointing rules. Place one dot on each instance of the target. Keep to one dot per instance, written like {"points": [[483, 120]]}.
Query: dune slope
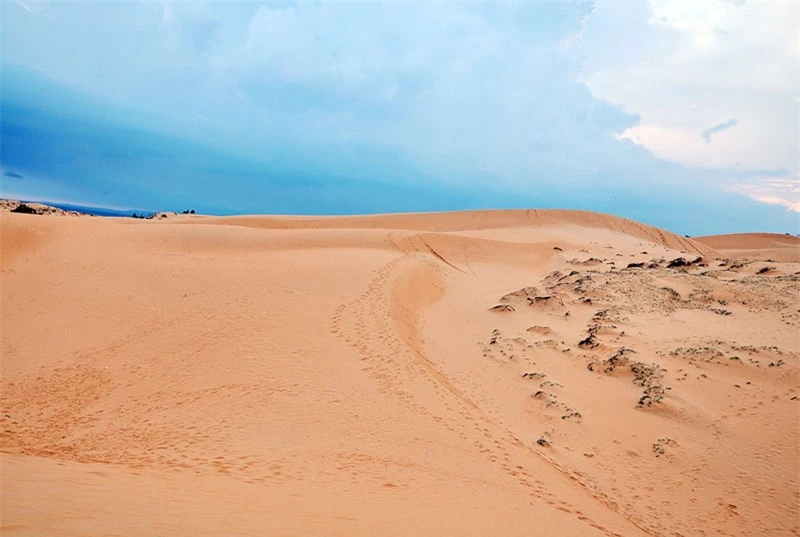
{"points": [[762, 246], [512, 373]]}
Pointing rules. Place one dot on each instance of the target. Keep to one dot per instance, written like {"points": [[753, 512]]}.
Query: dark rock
{"points": [[678, 262], [24, 209]]}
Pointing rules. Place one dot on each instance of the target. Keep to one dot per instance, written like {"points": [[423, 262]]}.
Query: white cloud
{"points": [[783, 191], [703, 63], [449, 85]]}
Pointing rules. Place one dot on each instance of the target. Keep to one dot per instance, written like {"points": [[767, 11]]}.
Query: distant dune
{"points": [[558, 373], [756, 245]]}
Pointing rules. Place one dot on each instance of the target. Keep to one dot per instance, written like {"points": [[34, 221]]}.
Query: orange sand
{"points": [[756, 246], [352, 376]]}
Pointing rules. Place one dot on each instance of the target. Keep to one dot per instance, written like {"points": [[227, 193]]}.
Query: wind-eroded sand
{"points": [[500, 373]]}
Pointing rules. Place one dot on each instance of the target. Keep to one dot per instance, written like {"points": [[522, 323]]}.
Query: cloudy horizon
{"points": [[679, 114]]}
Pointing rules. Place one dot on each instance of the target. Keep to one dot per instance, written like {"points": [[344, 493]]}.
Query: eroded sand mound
{"points": [[510, 373]]}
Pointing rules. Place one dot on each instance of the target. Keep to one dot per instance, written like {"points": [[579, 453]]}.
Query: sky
{"points": [[684, 114]]}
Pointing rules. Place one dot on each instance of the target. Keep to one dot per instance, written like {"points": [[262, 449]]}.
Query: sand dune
{"points": [[507, 373], [756, 246]]}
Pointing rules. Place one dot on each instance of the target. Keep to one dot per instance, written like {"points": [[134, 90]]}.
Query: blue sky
{"points": [[679, 114]]}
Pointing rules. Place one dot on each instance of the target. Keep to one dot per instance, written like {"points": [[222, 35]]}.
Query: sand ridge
{"points": [[762, 246], [354, 375]]}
